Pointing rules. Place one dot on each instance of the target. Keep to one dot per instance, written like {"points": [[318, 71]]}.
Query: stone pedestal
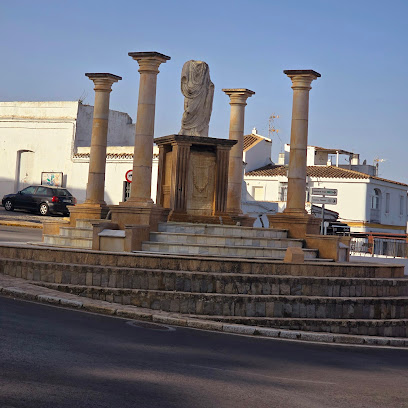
{"points": [[193, 178], [126, 216], [297, 225], [95, 206], [295, 218]]}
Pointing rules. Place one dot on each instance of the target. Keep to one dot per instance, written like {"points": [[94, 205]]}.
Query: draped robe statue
{"points": [[198, 91]]}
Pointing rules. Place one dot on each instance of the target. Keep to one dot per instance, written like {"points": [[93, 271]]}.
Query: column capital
{"points": [[149, 62], [238, 95], [301, 78], [103, 81]]}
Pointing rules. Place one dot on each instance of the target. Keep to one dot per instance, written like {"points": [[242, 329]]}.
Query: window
{"points": [[387, 203], [401, 205], [375, 199], [283, 191], [126, 190], [28, 190], [43, 191], [258, 193]]}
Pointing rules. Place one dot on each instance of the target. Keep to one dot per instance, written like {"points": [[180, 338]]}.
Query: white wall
{"points": [[45, 128], [258, 156]]}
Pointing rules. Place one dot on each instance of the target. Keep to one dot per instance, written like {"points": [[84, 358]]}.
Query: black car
{"points": [[42, 199]]}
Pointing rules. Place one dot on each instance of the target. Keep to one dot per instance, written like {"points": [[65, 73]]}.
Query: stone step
{"points": [[204, 282], [76, 258], [273, 306], [76, 232], [65, 241], [223, 230], [367, 327], [221, 251], [84, 223], [203, 239]]}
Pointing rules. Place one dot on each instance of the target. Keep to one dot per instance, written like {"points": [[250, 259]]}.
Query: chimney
{"points": [[254, 131], [281, 159], [355, 159]]}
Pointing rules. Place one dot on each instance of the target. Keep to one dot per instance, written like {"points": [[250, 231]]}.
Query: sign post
{"points": [[331, 192]]}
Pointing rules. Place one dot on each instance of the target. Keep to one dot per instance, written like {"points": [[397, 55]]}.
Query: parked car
{"points": [[42, 199]]}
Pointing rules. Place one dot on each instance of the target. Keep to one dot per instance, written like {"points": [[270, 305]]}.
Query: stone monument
{"points": [[193, 168], [198, 91]]}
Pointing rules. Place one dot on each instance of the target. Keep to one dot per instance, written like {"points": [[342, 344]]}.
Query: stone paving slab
{"points": [[28, 290]]}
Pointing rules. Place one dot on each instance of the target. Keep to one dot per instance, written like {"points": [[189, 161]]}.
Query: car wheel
{"points": [[43, 209], [66, 214], [8, 205]]}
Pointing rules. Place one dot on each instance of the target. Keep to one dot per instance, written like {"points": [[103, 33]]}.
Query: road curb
{"points": [[25, 224], [27, 292]]}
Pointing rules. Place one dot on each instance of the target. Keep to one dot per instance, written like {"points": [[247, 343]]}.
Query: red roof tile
{"points": [[317, 171]]}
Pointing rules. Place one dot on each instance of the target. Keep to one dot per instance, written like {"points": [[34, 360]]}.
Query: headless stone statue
{"points": [[198, 91]]}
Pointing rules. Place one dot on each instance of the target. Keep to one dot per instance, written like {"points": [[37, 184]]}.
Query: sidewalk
{"points": [[33, 291]]}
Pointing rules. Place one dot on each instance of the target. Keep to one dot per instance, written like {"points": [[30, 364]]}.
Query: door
{"points": [[25, 198]]}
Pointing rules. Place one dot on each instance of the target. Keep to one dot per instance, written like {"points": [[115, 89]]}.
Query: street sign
{"points": [[324, 191], [128, 176], [324, 200]]}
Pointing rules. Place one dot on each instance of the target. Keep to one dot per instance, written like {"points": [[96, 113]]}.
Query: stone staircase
{"points": [[222, 241], [79, 236], [347, 298]]}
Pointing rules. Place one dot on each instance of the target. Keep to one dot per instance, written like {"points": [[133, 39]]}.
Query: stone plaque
{"points": [[200, 200]]}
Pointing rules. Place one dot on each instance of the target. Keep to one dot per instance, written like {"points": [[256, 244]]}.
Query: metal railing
{"points": [[379, 246]]}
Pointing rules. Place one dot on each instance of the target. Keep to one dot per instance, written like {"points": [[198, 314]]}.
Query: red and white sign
{"points": [[128, 176]]}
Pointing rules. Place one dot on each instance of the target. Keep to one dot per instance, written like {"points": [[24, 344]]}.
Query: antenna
{"points": [[377, 162], [273, 130], [83, 96]]}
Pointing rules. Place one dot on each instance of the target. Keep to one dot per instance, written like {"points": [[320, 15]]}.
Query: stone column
{"points": [[149, 62], [95, 189], [179, 183], [221, 180], [301, 80], [238, 99]]}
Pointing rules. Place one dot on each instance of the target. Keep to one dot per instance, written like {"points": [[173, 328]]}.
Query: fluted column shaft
{"points": [[95, 189], [238, 98], [221, 181], [181, 162], [149, 62], [301, 80]]}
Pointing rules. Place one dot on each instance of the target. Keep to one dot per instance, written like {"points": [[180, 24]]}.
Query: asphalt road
{"points": [[10, 234], [57, 358]]}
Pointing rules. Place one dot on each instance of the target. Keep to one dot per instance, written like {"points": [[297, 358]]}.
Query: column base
{"points": [[125, 214], [88, 211], [297, 225]]}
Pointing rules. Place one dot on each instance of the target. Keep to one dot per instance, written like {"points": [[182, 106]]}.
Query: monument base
{"points": [[88, 212], [244, 220], [224, 219], [297, 225]]}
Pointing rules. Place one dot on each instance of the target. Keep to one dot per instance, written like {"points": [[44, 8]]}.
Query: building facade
{"points": [[49, 143], [365, 202]]}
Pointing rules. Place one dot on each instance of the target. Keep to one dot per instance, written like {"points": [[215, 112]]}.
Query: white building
{"points": [[365, 202], [44, 140]]}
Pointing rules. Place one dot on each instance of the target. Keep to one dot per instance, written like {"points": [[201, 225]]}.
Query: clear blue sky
{"points": [[360, 48]]}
